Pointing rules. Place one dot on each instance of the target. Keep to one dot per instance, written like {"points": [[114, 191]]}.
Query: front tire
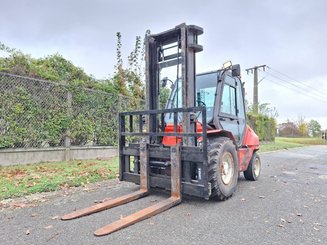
{"points": [[254, 169], [223, 167]]}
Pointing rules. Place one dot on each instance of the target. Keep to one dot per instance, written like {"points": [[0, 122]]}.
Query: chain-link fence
{"points": [[38, 113]]}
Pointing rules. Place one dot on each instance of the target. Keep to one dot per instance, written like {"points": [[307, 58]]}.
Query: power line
{"points": [[304, 86], [303, 92], [283, 74], [292, 89], [314, 93], [298, 82]]}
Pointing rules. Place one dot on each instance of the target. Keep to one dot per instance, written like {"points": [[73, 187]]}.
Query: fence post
{"points": [[67, 140]]}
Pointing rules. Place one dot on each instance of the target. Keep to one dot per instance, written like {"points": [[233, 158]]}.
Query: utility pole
{"points": [[254, 70]]}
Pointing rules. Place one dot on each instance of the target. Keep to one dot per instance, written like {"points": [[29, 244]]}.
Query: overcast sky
{"points": [[288, 36]]}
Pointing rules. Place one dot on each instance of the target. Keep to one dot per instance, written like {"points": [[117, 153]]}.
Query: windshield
{"points": [[205, 94]]}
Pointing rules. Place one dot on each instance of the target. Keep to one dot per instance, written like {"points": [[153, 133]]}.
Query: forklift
{"points": [[198, 145]]}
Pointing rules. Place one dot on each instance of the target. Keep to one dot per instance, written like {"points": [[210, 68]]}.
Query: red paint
{"points": [[244, 157], [249, 144], [250, 139], [171, 140]]}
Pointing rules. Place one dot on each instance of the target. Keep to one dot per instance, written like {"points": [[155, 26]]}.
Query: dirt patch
{"points": [[39, 198]]}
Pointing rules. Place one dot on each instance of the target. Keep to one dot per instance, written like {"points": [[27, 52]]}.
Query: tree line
{"points": [[300, 128], [127, 79]]}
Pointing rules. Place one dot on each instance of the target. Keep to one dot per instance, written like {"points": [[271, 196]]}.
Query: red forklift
{"points": [[198, 145]]}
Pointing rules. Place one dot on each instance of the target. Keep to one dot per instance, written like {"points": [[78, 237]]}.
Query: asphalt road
{"points": [[287, 205]]}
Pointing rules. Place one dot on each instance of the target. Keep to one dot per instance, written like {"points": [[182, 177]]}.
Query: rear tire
{"points": [[254, 169], [223, 168]]}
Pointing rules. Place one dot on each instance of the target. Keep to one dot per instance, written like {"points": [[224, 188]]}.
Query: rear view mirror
{"points": [[164, 82], [236, 70]]}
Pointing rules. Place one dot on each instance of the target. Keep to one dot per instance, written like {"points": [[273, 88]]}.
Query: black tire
{"points": [[219, 149], [254, 169]]}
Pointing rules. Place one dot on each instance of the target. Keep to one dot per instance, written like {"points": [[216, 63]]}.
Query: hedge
{"points": [[36, 113], [264, 126]]}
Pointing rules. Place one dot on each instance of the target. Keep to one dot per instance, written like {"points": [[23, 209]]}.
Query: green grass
{"points": [[306, 141], [286, 143], [20, 180]]}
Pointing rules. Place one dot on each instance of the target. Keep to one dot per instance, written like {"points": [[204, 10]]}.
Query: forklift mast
{"points": [[184, 39]]}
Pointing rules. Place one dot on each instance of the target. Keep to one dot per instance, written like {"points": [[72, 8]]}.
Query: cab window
{"points": [[228, 100]]}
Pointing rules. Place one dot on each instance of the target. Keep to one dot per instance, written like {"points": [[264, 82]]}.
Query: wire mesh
{"points": [[38, 113]]}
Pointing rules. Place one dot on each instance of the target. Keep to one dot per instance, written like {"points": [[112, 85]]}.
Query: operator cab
{"points": [[222, 95]]}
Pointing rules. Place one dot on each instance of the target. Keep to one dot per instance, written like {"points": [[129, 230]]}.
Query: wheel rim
{"points": [[257, 167], [227, 168]]}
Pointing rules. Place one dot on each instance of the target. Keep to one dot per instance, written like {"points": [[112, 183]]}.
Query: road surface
{"points": [[287, 205]]}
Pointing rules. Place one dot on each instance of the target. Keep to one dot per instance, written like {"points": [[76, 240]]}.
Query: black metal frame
{"points": [[185, 39], [149, 150], [159, 155]]}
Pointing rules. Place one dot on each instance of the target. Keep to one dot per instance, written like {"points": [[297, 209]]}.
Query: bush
{"points": [[264, 126]]}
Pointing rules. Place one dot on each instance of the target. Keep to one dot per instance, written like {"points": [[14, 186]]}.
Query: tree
{"points": [[52, 67], [17, 63], [302, 126], [314, 128], [264, 109], [119, 79], [134, 72], [303, 129], [288, 129], [129, 81], [263, 123]]}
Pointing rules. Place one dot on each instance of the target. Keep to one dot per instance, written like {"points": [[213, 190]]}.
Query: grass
{"points": [[305, 141], [286, 143], [20, 180]]}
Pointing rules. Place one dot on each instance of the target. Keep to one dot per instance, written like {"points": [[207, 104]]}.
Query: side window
{"points": [[228, 100]]}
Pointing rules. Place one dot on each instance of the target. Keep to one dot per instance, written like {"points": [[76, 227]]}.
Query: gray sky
{"points": [[288, 36]]}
